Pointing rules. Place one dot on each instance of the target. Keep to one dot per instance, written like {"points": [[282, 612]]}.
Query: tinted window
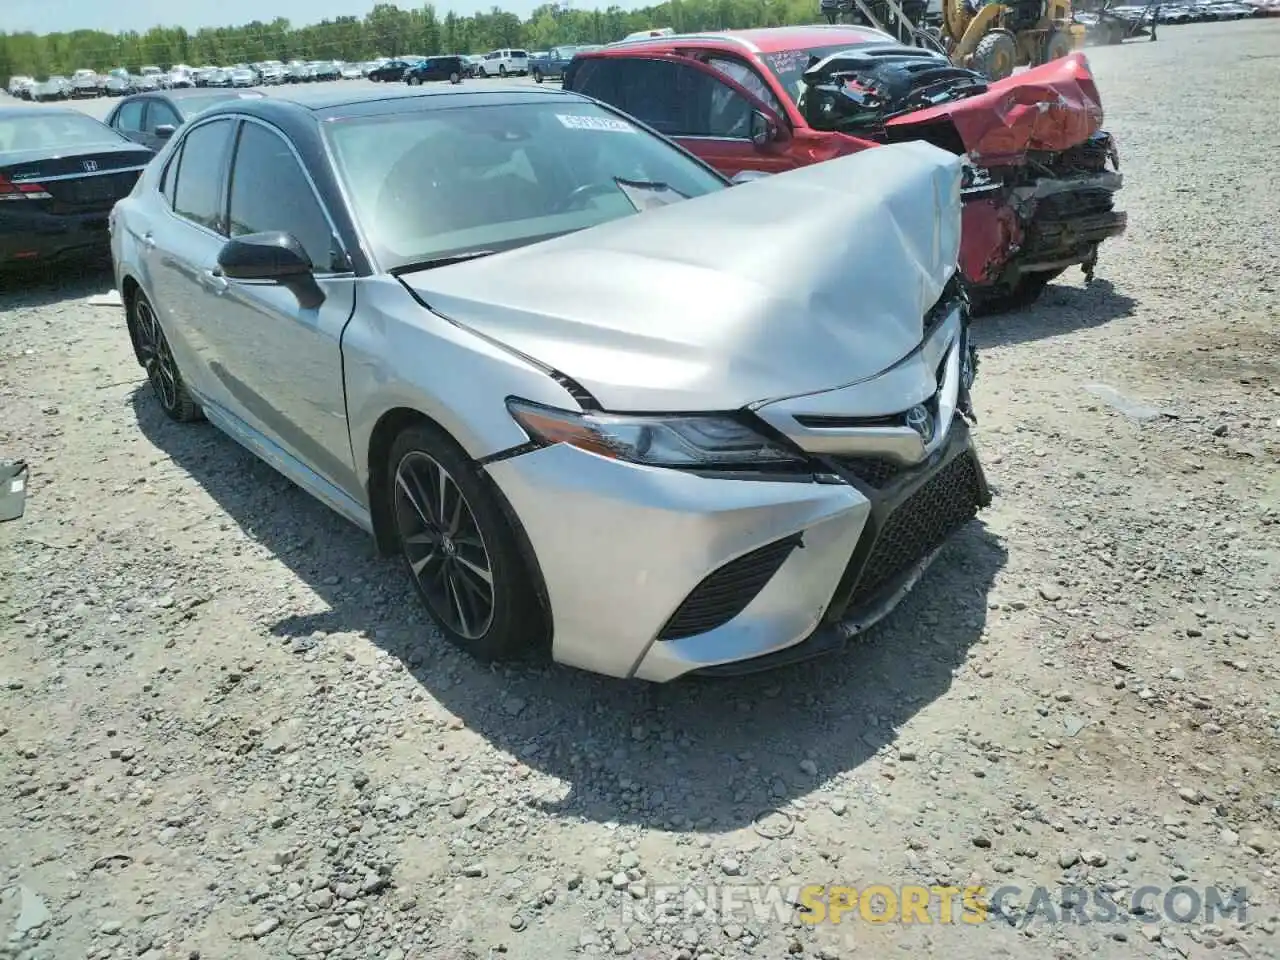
{"points": [[747, 78], [198, 191], [161, 114], [130, 116], [432, 183], [674, 99], [269, 191]]}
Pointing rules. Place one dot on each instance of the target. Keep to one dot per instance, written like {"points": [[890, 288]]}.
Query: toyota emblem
{"points": [[921, 421], [90, 166]]}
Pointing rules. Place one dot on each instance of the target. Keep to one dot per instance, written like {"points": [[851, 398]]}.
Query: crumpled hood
{"points": [[1051, 107], [787, 285]]}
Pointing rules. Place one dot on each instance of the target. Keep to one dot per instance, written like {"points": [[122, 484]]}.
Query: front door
{"points": [[281, 362], [705, 111]]}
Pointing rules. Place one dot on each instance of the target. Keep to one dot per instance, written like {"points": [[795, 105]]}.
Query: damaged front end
{"points": [[1040, 175]]}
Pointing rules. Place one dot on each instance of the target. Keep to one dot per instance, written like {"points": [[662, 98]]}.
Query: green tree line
{"points": [[386, 31]]}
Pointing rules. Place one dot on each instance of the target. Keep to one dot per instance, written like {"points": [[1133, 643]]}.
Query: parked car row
{"points": [[489, 309]]}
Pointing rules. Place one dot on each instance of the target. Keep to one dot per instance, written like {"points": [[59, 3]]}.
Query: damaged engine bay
{"points": [[1041, 177]]}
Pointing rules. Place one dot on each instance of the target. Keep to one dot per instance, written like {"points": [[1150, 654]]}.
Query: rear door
{"points": [[181, 251], [279, 361]]}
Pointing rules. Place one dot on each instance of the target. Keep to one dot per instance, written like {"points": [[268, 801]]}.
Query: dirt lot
{"points": [[227, 732]]}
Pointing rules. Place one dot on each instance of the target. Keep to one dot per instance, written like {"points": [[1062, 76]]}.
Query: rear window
{"points": [[53, 130], [518, 54], [440, 182]]}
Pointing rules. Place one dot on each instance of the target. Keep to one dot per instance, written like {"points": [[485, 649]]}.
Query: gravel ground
{"points": [[227, 732]]}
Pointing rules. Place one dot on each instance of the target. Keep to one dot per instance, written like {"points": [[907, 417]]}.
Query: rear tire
{"points": [[537, 75], [502, 71], [464, 559], [156, 357]]}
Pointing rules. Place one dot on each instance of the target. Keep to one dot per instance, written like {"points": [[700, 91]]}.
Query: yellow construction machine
{"points": [[994, 38], [991, 37]]}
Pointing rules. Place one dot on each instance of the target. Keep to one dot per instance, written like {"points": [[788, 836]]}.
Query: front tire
{"points": [[156, 357], [995, 55], [455, 79], [460, 549]]}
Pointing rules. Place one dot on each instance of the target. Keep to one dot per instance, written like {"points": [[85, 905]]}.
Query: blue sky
{"points": [[49, 16]]}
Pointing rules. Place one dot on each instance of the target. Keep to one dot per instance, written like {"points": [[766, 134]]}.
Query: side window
{"points": [[202, 173], [747, 78], [129, 117], [170, 177], [269, 191], [161, 114]]}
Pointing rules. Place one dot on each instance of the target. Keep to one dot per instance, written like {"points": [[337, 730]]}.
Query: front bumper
{"points": [[655, 573]]}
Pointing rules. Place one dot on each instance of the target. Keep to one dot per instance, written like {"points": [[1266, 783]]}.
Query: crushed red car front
{"points": [[1042, 174]]}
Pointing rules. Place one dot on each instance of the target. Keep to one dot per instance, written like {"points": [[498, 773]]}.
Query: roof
{"points": [[760, 40], [332, 102]]}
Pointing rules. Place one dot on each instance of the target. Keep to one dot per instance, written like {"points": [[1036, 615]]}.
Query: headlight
{"points": [[676, 441]]}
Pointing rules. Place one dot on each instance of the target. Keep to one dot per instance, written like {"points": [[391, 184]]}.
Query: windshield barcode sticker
{"points": [[575, 122]]}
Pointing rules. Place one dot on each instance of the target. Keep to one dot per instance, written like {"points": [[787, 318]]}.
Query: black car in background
{"points": [[151, 118], [392, 71], [452, 68], [61, 172]]}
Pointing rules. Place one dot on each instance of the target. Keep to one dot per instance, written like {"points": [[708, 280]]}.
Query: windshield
{"points": [[54, 130], [789, 65], [437, 183]]}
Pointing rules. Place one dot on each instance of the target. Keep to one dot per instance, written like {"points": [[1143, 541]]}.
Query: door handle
{"points": [[214, 281], [149, 240]]}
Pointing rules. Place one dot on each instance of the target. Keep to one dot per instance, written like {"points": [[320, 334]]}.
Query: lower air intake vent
{"points": [[726, 592], [920, 525]]}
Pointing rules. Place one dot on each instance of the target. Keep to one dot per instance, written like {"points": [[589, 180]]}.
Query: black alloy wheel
{"points": [[460, 549], [162, 370]]}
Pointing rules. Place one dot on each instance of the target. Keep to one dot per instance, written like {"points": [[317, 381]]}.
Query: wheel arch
{"points": [[129, 290], [389, 426]]}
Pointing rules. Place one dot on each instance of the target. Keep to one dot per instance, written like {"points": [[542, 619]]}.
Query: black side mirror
{"points": [[164, 131], [763, 130], [274, 256]]}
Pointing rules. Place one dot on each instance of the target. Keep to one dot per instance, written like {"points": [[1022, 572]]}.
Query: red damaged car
{"points": [[1041, 174]]}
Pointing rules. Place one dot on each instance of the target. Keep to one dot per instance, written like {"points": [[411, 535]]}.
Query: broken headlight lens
{"points": [[676, 441]]}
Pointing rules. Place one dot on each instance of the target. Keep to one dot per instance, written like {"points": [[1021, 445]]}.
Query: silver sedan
{"points": [[604, 403]]}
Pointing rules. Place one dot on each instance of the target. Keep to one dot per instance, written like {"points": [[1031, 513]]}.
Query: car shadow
{"points": [[1060, 310], [695, 754], [42, 285]]}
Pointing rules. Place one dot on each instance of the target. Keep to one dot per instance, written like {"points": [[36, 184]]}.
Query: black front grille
{"points": [[725, 593], [873, 471], [1075, 204], [919, 525]]}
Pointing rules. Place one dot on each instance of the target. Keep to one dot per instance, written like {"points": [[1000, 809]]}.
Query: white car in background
{"points": [[503, 63]]}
